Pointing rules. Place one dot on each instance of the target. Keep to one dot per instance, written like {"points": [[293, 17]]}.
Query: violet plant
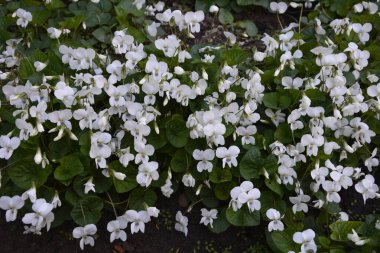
{"points": [[107, 103]]}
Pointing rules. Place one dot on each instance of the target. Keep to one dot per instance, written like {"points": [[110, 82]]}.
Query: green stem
{"points": [[113, 206]]}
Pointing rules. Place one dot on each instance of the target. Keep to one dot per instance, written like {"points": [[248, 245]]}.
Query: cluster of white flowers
{"points": [[275, 224], [137, 86], [245, 194], [116, 227], [23, 17], [348, 128], [42, 215], [306, 239]]}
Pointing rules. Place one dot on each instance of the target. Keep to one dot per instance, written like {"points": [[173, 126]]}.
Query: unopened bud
{"points": [[156, 129], [178, 70], [199, 189], [213, 9], [38, 156], [204, 74], [72, 136]]}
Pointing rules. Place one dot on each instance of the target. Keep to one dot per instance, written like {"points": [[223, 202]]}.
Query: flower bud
{"points": [[72, 136], [337, 113], [213, 9], [295, 5], [143, 80], [204, 74], [348, 148], [118, 175], [40, 127], [39, 66], [60, 135], [38, 156], [178, 70], [266, 174], [278, 179], [156, 129], [343, 155], [45, 161], [199, 189], [56, 201]]}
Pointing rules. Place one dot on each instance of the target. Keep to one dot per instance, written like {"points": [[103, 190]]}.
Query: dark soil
{"points": [[159, 237], [353, 202]]}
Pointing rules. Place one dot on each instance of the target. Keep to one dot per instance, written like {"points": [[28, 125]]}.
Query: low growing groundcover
{"points": [[192, 125]]}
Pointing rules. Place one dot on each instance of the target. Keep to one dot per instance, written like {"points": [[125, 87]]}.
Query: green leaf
{"points": [[282, 241], [126, 7], [40, 17], [55, 66], [61, 215], [324, 242], [275, 101], [72, 23], [72, 197], [269, 200], [58, 149], [283, 133], [243, 217], [208, 198], [55, 4], [139, 197], [26, 68], [222, 190], [105, 5], [340, 229], [158, 140], [180, 161], [85, 142], [374, 50], [177, 132], [337, 251], [342, 7], [262, 3], [251, 164], [235, 55], [245, 2], [225, 16], [138, 34], [219, 175], [70, 166], [220, 224], [87, 210], [24, 172], [201, 5], [274, 186], [129, 182], [293, 94], [249, 27], [103, 34], [317, 97], [333, 208], [102, 183], [270, 164], [294, 222]]}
